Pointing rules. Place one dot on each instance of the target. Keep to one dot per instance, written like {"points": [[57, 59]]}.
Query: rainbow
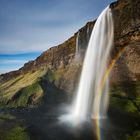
{"points": [[100, 89]]}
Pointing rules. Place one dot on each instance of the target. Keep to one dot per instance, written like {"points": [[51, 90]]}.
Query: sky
{"points": [[29, 27]]}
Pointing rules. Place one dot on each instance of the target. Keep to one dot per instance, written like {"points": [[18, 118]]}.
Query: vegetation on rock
{"points": [[17, 133]]}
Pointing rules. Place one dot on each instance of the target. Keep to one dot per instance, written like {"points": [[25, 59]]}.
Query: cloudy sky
{"points": [[28, 27]]}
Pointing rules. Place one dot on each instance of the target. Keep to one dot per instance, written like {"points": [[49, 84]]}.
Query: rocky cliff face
{"points": [[127, 35], [59, 66]]}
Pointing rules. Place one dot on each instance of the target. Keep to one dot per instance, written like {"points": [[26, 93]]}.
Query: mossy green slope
{"points": [[17, 133], [22, 90], [126, 96], [125, 103]]}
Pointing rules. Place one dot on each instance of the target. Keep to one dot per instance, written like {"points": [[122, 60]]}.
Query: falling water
{"points": [[77, 46], [93, 91], [88, 30]]}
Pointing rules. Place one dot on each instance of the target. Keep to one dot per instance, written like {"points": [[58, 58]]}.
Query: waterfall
{"points": [[77, 46], [93, 90], [87, 30]]}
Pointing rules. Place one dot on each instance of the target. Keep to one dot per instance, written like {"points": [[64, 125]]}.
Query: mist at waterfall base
{"points": [[91, 100]]}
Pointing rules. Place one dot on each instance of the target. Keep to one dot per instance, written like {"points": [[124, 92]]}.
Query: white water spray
{"points": [[77, 47], [92, 96], [77, 43]]}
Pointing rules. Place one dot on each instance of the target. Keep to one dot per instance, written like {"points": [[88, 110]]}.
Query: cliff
{"points": [[60, 67], [127, 34]]}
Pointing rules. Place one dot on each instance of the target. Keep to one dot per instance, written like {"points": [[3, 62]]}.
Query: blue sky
{"points": [[29, 27]]}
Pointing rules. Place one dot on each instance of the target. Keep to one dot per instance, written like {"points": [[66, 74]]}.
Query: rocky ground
{"points": [[44, 124]]}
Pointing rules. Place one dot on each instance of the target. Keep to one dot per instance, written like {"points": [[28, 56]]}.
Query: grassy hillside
{"points": [[22, 90]]}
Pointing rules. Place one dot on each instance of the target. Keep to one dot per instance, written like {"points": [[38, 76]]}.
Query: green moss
{"points": [[23, 97], [54, 76], [50, 76], [10, 88], [126, 96], [123, 104], [137, 100], [134, 136], [17, 133], [125, 101], [6, 116], [131, 89]]}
